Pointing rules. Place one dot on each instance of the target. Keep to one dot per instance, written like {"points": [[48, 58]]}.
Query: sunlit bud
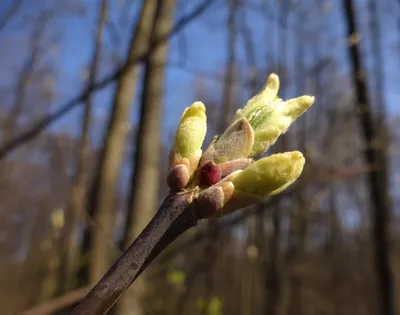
{"points": [[261, 100], [270, 175], [275, 120], [189, 138], [270, 116], [235, 143], [240, 189]]}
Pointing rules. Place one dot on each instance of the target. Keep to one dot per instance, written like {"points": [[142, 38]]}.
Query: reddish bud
{"points": [[178, 177], [209, 174]]}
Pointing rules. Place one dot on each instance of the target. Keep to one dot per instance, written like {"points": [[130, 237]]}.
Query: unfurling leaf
{"points": [[270, 116]]}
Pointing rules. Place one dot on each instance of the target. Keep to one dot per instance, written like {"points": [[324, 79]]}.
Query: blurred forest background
{"points": [[91, 92]]}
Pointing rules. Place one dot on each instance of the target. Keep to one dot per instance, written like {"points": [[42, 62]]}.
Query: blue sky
{"points": [[205, 42]]}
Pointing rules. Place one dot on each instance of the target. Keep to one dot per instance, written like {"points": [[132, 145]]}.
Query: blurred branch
{"points": [[54, 305], [43, 123], [227, 97], [9, 14], [25, 76], [78, 190], [248, 44]]}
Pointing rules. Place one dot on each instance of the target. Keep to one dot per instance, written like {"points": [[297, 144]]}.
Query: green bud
{"points": [[189, 136], [270, 175], [275, 120], [270, 116], [240, 189]]}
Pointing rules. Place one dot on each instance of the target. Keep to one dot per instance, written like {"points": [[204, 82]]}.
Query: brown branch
{"points": [[175, 216], [46, 121]]}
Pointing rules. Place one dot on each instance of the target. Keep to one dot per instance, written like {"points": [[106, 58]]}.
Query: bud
{"points": [[235, 143], [265, 177], [260, 101], [270, 175], [178, 176], [270, 116], [186, 150], [270, 124], [209, 174]]}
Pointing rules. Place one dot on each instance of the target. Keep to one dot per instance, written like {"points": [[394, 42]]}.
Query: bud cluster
{"points": [[226, 175]]}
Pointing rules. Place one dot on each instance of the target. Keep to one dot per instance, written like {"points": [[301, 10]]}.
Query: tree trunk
{"points": [[75, 211], [272, 267], [145, 179], [227, 101], [334, 243], [103, 192], [378, 194]]}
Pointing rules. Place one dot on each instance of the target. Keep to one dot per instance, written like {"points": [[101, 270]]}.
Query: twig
{"points": [[175, 216]]}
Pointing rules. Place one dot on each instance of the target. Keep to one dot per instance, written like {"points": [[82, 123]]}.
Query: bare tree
{"points": [[143, 197], [227, 100], [102, 195], [76, 208], [379, 197], [25, 75]]}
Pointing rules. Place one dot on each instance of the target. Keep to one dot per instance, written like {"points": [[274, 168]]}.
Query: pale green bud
{"points": [[189, 136], [270, 175], [265, 177], [270, 116], [186, 151], [261, 100]]}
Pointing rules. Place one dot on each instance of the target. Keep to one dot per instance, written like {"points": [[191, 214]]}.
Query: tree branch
{"points": [[45, 122], [175, 216]]}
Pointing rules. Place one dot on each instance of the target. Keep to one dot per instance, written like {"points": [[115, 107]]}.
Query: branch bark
{"points": [[379, 197], [102, 195], [175, 216]]}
